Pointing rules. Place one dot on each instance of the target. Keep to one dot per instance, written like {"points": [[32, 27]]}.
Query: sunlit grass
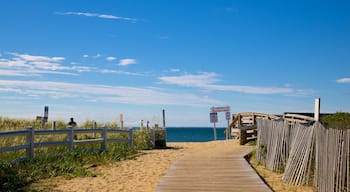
{"points": [[16, 172]]}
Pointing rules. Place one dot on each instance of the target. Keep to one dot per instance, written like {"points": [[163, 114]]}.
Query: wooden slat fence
{"points": [[306, 154], [30, 134]]}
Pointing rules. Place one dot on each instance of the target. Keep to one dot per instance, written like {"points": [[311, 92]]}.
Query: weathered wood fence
{"points": [[306, 154], [244, 126], [30, 134]]}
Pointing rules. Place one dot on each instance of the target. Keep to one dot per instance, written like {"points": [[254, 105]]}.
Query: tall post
{"points": [[214, 119], [164, 127], [214, 131], [131, 137], [317, 109], [30, 142], [163, 118], [70, 138], [121, 121], [104, 137], [53, 125], [94, 129]]}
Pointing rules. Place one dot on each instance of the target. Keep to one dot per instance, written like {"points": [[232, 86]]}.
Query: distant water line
{"points": [[194, 134]]}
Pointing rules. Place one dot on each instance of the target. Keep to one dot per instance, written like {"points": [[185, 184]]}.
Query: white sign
{"points": [[220, 109], [213, 117], [228, 116]]}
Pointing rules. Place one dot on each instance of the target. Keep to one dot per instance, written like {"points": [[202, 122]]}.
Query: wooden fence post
{"points": [[30, 142], [70, 137], [153, 138], [317, 109], [104, 137], [94, 129], [131, 137], [53, 125]]}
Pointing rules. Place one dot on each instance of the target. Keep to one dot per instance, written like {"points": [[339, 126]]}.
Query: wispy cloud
{"points": [[120, 72], [103, 93], [343, 80], [175, 70], [33, 65], [189, 80], [98, 15], [111, 58], [125, 62], [85, 56], [97, 55], [27, 57], [208, 81]]}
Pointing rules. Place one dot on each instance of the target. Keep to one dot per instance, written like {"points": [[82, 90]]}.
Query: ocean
{"points": [[194, 134]]}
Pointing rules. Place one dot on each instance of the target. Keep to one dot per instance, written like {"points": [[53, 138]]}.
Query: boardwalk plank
{"points": [[217, 169]]}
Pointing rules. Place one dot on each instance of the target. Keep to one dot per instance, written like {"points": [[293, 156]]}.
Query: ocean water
{"points": [[194, 134]]}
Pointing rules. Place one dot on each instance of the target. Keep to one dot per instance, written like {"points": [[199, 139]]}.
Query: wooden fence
{"points": [[243, 125], [306, 154], [30, 134]]}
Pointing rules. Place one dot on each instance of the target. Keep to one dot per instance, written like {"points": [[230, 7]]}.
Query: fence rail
{"points": [[30, 134]]}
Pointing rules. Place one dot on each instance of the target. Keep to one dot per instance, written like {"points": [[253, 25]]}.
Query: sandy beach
{"points": [[140, 174]]}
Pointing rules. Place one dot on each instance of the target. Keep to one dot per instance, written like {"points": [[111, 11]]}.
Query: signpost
{"points": [[43, 119], [214, 117]]}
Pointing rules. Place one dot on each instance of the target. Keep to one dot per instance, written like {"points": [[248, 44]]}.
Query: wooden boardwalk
{"points": [[221, 168]]}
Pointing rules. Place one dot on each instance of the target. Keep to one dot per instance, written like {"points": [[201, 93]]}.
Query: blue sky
{"points": [[96, 59]]}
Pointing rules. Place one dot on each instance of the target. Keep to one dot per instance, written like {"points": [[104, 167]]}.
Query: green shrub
{"points": [[339, 120]]}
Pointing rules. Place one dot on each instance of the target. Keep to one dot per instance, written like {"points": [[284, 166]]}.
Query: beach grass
{"points": [[17, 173]]}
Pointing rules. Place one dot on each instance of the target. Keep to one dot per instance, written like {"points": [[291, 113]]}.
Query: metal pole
{"points": [[163, 118], [228, 130], [164, 127], [214, 131]]}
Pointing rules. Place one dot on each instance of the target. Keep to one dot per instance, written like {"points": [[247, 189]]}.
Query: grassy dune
{"points": [[16, 173]]}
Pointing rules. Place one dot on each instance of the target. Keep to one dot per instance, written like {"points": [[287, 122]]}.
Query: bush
{"points": [[339, 120]]}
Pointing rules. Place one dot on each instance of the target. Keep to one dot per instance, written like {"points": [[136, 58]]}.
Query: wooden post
{"points": [[30, 142], [94, 129], [153, 138], [164, 127], [104, 137], [121, 121], [70, 137], [317, 109], [131, 137], [53, 125]]}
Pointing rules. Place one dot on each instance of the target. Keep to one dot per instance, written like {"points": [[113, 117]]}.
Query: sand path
{"points": [[140, 174]]}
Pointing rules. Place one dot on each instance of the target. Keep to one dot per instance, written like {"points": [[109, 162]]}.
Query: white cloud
{"points": [[111, 58], [207, 81], [175, 70], [120, 72], [102, 16], [27, 57], [199, 80], [343, 80], [13, 73], [97, 55], [103, 93], [85, 56], [33, 65], [125, 62]]}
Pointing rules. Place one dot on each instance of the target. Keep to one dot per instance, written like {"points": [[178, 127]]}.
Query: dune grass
{"points": [[16, 173]]}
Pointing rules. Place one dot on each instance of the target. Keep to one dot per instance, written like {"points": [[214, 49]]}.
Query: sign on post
{"points": [[228, 115], [213, 117], [220, 109]]}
